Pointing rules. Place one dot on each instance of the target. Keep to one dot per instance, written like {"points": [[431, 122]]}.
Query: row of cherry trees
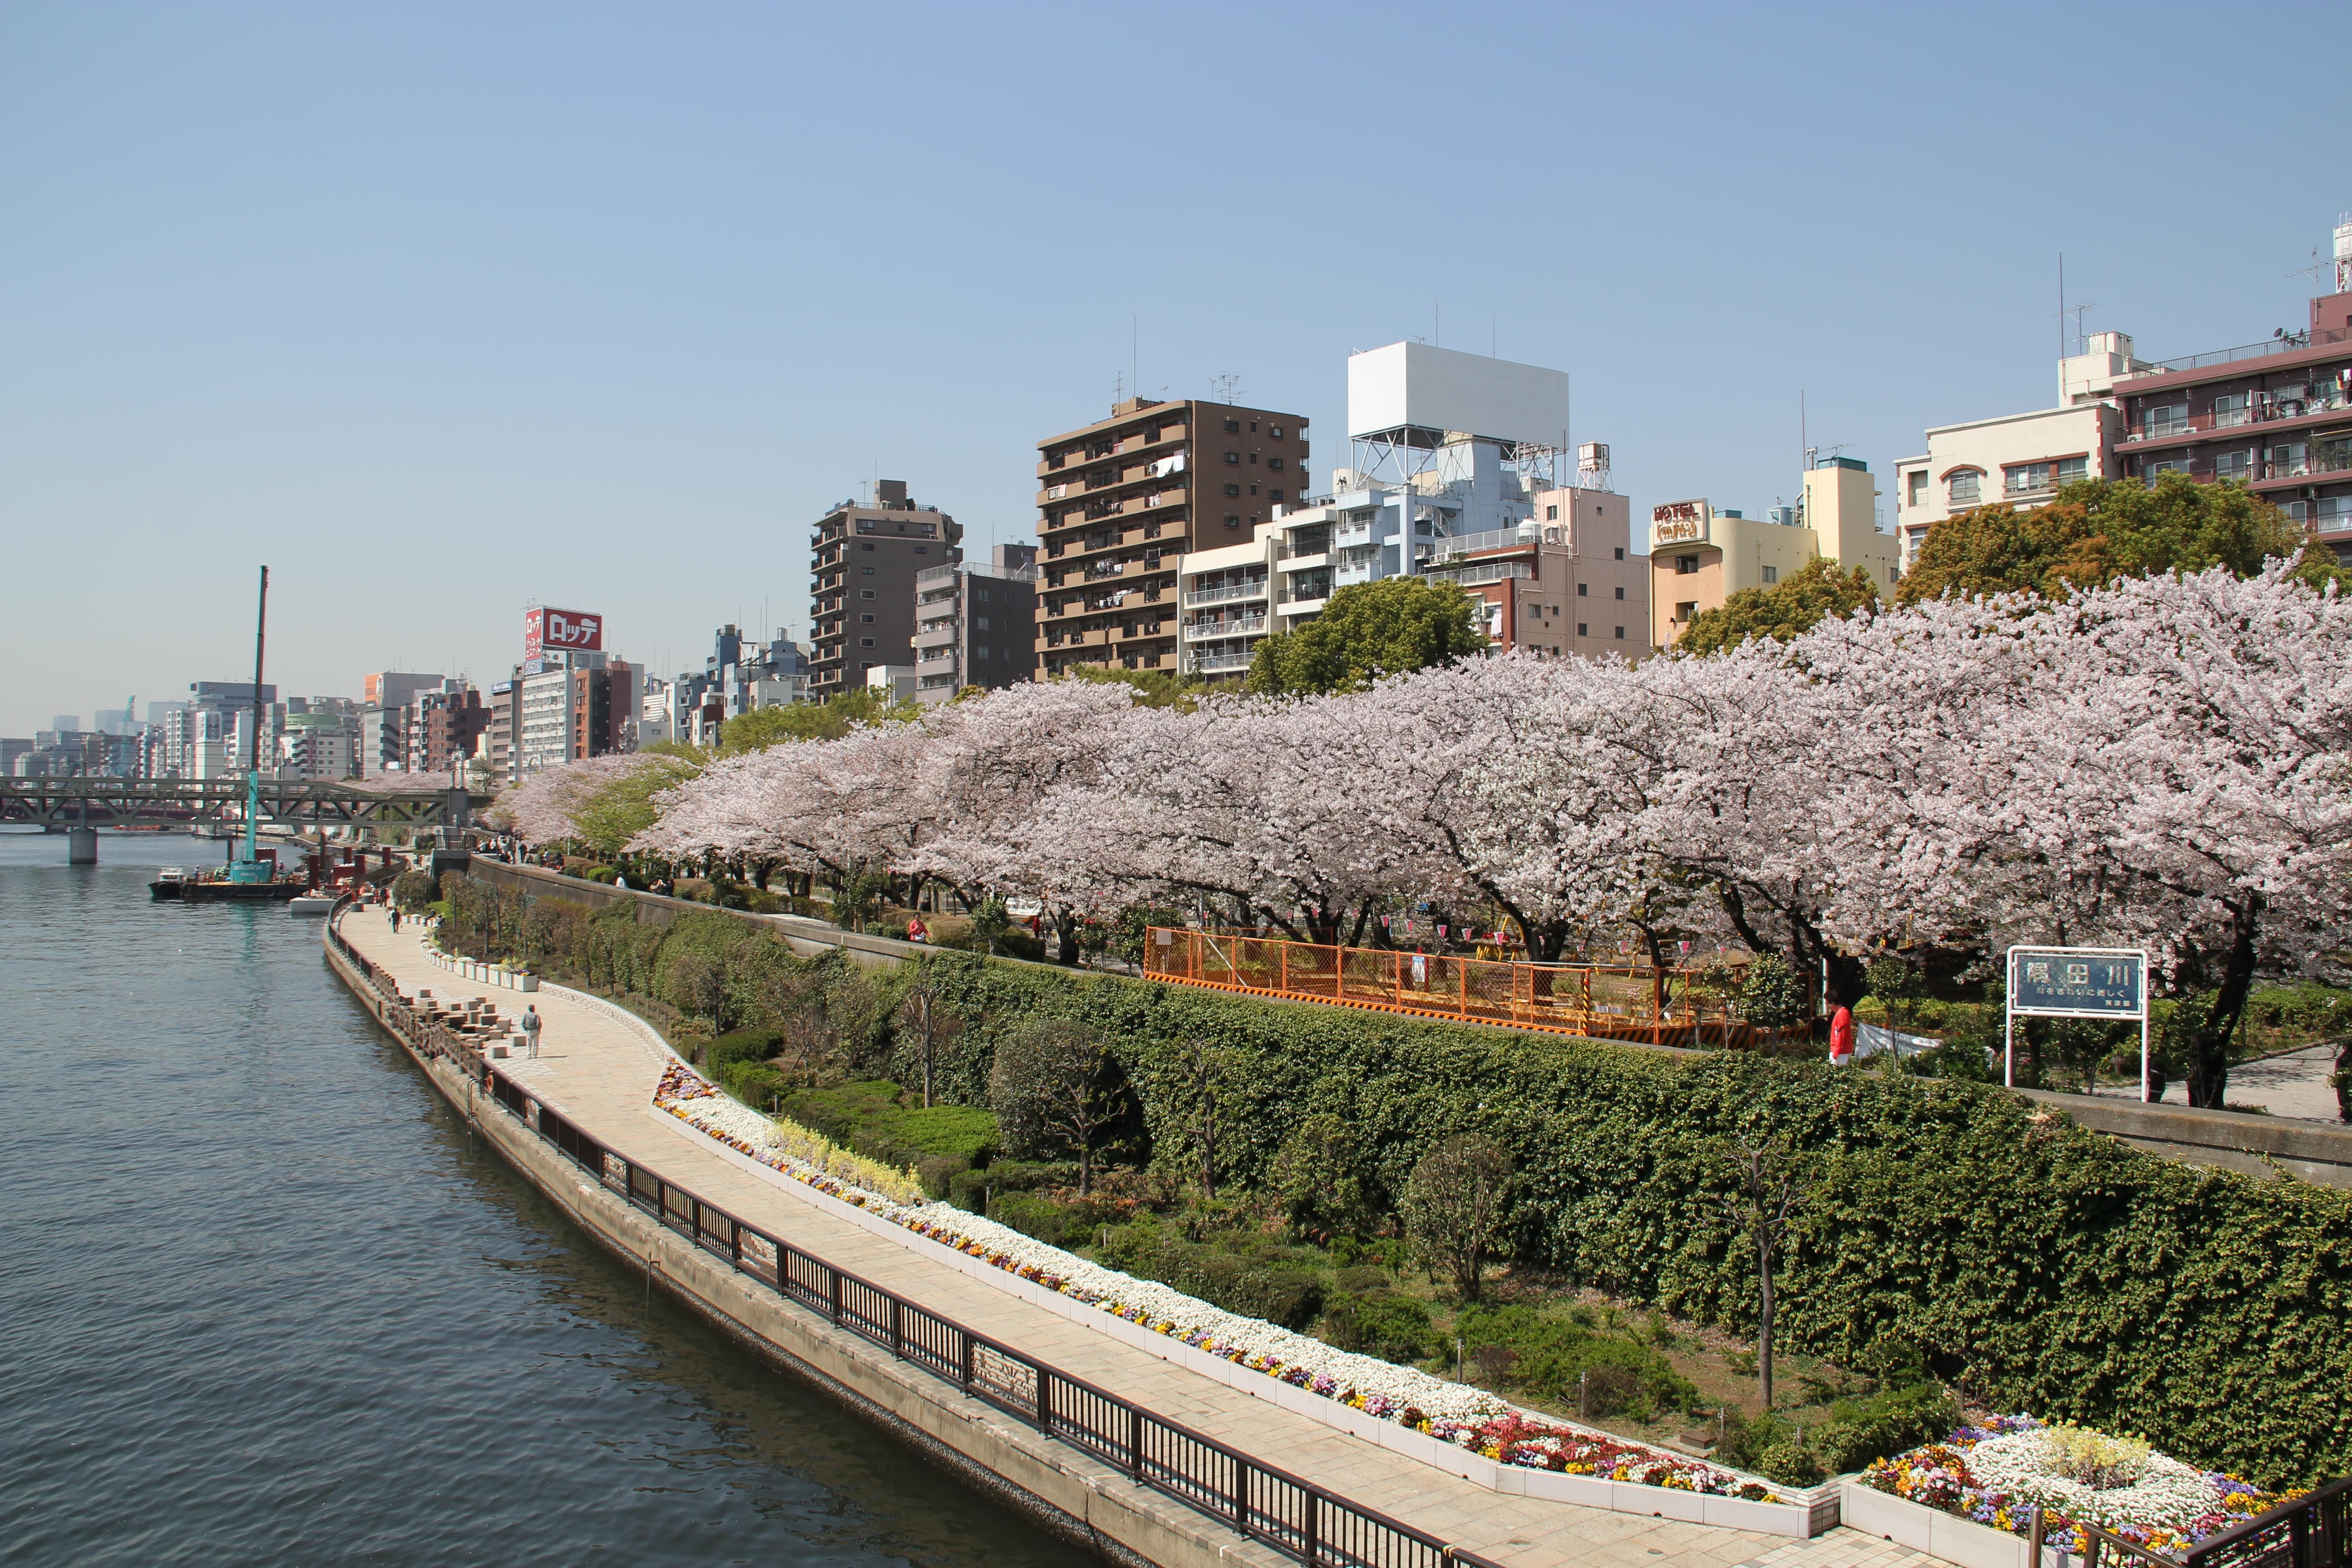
{"points": [[2165, 762]]}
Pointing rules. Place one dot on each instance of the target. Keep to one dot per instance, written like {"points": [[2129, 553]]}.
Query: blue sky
{"points": [[440, 309]]}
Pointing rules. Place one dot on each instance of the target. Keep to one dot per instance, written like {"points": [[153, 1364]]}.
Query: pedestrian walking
{"points": [[395, 916], [1842, 1039], [530, 1032]]}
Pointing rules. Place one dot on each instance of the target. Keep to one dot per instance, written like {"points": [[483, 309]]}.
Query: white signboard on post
{"points": [[2108, 982]]}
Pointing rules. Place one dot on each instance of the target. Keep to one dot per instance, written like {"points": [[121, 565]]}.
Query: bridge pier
{"points": [[81, 847]]}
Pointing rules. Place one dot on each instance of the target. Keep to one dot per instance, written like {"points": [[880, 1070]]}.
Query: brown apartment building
{"points": [[1120, 501], [862, 587], [2275, 416]]}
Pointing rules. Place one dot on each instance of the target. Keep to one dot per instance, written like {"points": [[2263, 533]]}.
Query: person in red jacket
{"points": [[1840, 1038]]}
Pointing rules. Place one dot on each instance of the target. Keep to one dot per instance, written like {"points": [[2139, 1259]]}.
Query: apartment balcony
{"points": [[944, 659], [1235, 627], [1221, 596], [1098, 570], [1217, 663], [1355, 571], [2325, 398]]}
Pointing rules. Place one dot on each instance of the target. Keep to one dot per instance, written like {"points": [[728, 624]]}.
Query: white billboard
{"points": [[1446, 389]]}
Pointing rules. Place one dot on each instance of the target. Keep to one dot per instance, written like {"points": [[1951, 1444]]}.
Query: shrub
{"points": [[413, 891], [1564, 1360], [1773, 995], [1885, 1423], [1380, 1322], [1454, 1207], [742, 1045], [1319, 1176], [1056, 1090]]}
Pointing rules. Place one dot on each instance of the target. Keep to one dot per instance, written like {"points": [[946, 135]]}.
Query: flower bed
{"points": [[1995, 1473], [1453, 1413]]}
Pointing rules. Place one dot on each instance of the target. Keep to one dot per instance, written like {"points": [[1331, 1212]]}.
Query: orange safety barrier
{"points": [[1602, 1001]]}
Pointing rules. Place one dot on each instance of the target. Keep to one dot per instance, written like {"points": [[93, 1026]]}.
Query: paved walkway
{"points": [[2293, 1084], [600, 1074]]}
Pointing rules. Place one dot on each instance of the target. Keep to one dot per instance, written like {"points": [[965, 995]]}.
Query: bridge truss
{"points": [[296, 802]]}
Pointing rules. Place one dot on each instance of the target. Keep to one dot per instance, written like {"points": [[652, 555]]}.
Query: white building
{"points": [[2020, 458], [547, 737], [1445, 445]]}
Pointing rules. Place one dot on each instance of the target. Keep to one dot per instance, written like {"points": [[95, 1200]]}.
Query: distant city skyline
{"points": [[443, 311]]}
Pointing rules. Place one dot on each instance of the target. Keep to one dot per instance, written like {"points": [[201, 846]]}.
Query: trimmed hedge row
{"points": [[1951, 1228]]}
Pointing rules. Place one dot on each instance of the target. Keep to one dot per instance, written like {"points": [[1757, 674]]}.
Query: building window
{"points": [[1686, 564], [2231, 408], [1966, 488], [1235, 425], [922, 549], [1621, 553], [865, 642], [1232, 522], [1919, 482], [864, 592], [1583, 590], [2026, 478], [2238, 465], [1620, 592], [980, 652], [2073, 468], [866, 545], [1275, 431], [868, 619], [1274, 462], [1771, 574], [1621, 634], [2164, 466], [865, 571], [1686, 610], [1551, 514], [1233, 489], [1579, 628], [2166, 419], [1234, 459]]}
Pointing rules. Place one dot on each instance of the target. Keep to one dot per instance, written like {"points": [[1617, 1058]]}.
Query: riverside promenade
{"points": [[599, 1071]]}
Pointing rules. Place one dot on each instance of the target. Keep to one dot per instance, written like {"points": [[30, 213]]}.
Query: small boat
{"points": [[311, 904], [166, 884], [218, 889]]}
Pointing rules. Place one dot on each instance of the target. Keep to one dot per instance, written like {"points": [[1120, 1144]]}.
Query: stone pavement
{"points": [[600, 1073], [2292, 1084]]}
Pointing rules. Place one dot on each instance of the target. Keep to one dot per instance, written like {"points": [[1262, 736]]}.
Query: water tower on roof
{"points": [[1409, 399]]}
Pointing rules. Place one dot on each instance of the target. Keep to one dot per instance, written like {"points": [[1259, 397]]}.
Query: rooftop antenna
{"points": [[1224, 385], [2341, 263], [2062, 304], [1802, 438], [2077, 311]]}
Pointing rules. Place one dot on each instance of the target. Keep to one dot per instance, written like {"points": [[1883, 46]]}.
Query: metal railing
{"points": [[2315, 1531], [1257, 590], [1294, 1517], [1616, 1002], [2287, 344]]}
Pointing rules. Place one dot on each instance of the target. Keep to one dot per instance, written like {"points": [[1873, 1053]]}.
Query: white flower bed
{"points": [[1451, 1412], [2169, 1494]]}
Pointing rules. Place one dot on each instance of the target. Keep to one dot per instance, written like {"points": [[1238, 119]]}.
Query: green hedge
{"points": [[1954, 1229]]}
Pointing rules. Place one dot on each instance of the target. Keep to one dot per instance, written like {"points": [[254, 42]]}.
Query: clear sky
{"points": [[441, 309]]}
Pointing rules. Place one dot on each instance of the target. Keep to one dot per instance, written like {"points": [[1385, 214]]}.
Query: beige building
{"points": [[1699, 557], [2020, 458], [1564, 582]]}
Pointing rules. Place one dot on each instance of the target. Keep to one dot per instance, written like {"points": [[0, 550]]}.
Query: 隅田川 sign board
{"points": [[2109, 983], [2078, 983]]}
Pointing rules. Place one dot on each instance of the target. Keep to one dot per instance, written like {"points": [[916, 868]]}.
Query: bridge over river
{"points": [[301, 804]]}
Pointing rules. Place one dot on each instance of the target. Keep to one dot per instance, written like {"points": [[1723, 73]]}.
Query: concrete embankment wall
{"points": [[2314, 1151], [1070, 1494]]}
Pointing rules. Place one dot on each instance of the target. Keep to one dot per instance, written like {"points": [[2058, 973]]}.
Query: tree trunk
{"points": [[2208, 1047], [2344, 1080], [1764, 1323], [1065, 937]]}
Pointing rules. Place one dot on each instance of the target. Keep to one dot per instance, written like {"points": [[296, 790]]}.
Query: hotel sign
{"points": [[1680, 523]]}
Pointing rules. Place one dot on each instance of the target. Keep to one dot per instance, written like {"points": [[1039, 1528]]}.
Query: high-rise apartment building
{"points": [[862, 584], [1121, 499], [975, 624]]}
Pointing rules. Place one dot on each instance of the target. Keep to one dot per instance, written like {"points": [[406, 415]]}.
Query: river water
{"points": [[263, 1298]]}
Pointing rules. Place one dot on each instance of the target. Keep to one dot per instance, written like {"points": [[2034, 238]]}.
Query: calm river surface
{"points": [[263, 1298]]}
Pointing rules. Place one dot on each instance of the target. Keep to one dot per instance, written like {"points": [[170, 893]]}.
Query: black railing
{"points": [[1294, 1517], [2312, 1532]]}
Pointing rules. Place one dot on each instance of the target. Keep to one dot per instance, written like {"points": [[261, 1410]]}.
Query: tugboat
{"points": [[249, 878], [167, 881]]}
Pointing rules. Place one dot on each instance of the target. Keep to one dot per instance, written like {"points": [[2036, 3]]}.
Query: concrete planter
{"points": [[1932, 1530], [1806, 1513]]}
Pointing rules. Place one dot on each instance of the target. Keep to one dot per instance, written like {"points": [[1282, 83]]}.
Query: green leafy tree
{"points": [[1367, 631], [826, 720], [2099, 530], [1057, 1091], [413, 891], [1320, 1173], [622, 807], [1783, 610], [1453, 1208]]}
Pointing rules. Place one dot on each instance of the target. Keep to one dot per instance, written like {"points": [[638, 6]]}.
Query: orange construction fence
{"points": [[1604, 1002]]}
